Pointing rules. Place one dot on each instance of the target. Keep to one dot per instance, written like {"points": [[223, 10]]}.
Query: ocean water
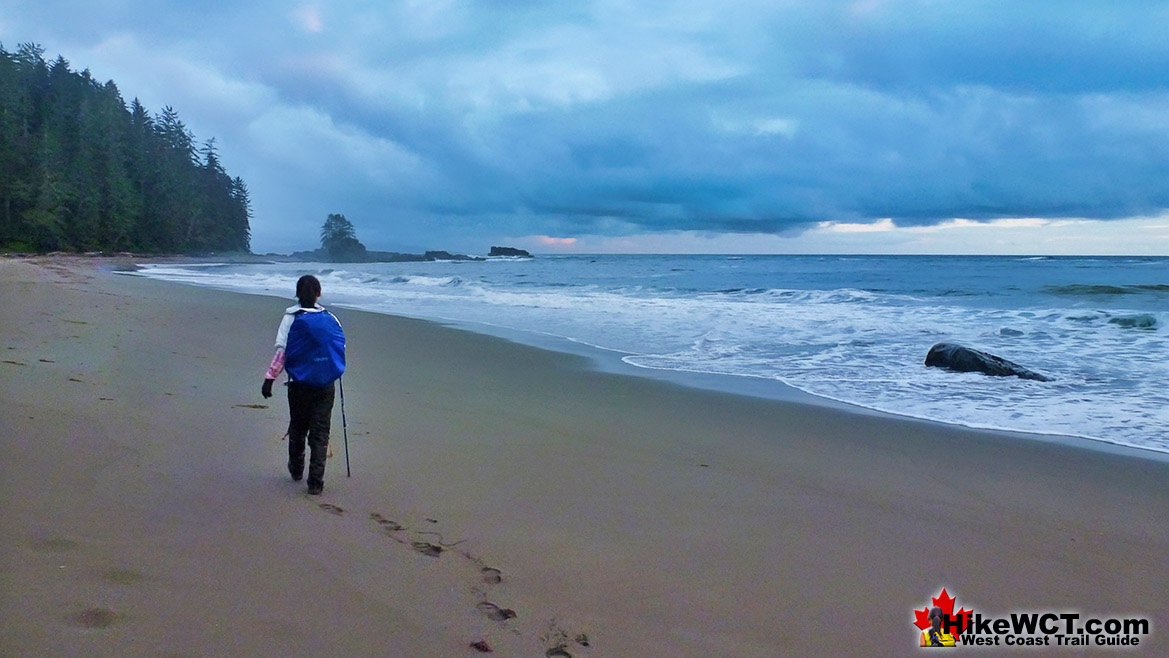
{"points": [[854, 329]]}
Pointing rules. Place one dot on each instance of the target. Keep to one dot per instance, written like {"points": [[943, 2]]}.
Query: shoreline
{"points": [[1143, 442], [651, 517], [611, 361]]}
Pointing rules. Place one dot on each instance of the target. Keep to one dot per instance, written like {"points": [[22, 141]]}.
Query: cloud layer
{"points": [[435, 124]]}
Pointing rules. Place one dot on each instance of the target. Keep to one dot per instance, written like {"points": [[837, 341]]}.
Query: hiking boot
{"points": [[315, 489]]}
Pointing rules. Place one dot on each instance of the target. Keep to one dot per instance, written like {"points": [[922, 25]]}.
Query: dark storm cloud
{"points": [[430, 121]]}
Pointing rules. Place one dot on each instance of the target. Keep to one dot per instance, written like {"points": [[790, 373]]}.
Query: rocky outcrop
{"points": [[509, 251], [965, 359]]}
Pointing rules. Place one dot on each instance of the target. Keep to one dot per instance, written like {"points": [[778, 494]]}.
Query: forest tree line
{"points": [[79, 171]]}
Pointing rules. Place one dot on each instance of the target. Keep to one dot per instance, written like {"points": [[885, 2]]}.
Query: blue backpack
{"points": [[315, 354]]}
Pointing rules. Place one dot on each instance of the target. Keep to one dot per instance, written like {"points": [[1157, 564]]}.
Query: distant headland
{"points": [[370, 256], [339, 244]]}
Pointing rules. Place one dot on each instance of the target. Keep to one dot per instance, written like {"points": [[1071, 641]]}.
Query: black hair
{"points": [[308, 290]]}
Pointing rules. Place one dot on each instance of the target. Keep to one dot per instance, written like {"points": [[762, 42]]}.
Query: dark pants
{"points": [[310, 409]]}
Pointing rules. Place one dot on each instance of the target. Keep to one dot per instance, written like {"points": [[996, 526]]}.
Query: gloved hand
{"points": [[266, 389]]}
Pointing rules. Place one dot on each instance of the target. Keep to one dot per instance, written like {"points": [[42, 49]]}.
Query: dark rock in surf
{"points": [[965, 359], [510, 252], [1142, 321]]}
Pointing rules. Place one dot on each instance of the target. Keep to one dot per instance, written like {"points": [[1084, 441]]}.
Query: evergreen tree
{"points": [[143, 177], [240, 220], [339, 240], [118, 201], [18, 81]]}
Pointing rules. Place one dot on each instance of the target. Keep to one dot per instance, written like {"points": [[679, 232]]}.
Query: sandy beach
{"points": [[147, 510]]}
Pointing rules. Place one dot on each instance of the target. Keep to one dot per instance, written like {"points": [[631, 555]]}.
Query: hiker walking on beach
{"points": [[310, 345]]}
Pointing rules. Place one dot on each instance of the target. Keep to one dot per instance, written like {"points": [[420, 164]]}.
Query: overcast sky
{"points": [[783, 126]]}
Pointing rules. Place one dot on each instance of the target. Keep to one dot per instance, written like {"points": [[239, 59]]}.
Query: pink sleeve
{"points": [[277, 365]]}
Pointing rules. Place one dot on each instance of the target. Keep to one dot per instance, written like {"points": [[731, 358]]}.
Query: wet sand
{"points": [[147, 510]]}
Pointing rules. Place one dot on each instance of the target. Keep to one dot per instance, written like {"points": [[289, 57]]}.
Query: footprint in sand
{"points": [[249, 406], [123, 576], [557, 641], [495, 612], [426, 548], [441, 541], [386, 524], [95, 618], [53, 544], [331, 508], [491, 576]]}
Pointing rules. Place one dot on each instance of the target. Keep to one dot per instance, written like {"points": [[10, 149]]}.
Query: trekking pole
{"points": [[344, 428]]}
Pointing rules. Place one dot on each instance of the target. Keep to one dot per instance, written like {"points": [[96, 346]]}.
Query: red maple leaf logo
{"points": [[946, 603]]}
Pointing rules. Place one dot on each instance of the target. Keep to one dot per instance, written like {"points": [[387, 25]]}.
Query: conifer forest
{"points": [[82, 171]]}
